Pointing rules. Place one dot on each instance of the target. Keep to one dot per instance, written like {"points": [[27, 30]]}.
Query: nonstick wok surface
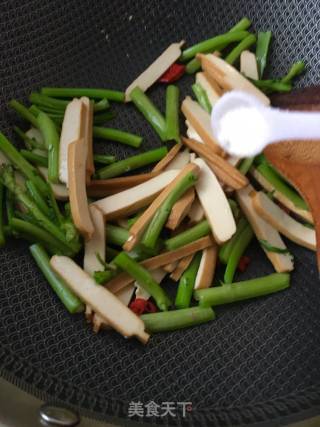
{"points": [[259, 361]]}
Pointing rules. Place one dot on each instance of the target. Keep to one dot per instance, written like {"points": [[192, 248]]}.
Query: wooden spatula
{"points": [[299, 161]]}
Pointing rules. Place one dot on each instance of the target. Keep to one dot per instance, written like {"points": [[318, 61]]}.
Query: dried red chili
{"points": [[173, 73], [140, 306], [243, 263]]}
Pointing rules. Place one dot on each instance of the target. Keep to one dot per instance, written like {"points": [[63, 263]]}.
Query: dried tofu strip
{"points": [[139, 227], [169, 157], [191, 133], [183, 264], [158, 275], [124, 296], [60, 191], [156, 69], [281, 262], [180, 161], [72, 130], [180, 209], [215, 204], [77, 188], [107, 187], [228, 77], [102, 301], [169, 268], [227, 173], [97, 244], [234, 160], [265, 184], [248, 65], [281, 221], [123, 279], [212, 93], [207, 268], [88, 313], [130, 201], [196, 213], [200, 120], [88, 136]]}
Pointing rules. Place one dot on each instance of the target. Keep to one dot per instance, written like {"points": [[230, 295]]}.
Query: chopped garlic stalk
{"points": [[248, 65], [158, 275], [212, 94]]}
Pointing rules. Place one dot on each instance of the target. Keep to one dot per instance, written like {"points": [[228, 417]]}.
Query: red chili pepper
{"points": [[243, 263], [173, 73], [138, 305], [150, 307]]}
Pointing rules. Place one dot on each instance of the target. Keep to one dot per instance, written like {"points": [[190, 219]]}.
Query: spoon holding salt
{"points": [[243, 126]]}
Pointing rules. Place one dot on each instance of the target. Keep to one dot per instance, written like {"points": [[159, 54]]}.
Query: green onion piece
{"points": [[2, 199], [226, 248], [37, 197], [144, 278], [296, 69], [100, 119], [23, 112], [101, 105], [212, 44], [29, 142], [239, 291], [245, 165], [195, 65], [177, 319], [51, 141], [131, 163], [263, 44], [116, 235], [117, 135], [186, 283], [47, 101], [150, 112], [281, 186], [66, 296], [194, 233], [153, 230], [202, 97], [9, 205], [238, 248], [243, 45], [22, 164], [104, 159], [270, 86], [34, 158], [111, 95], [270, 248], [172, 113]]}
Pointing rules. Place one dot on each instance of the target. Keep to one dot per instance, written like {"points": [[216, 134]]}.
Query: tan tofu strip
{"points": [[169, 268], [180, 161], [77, 189], [215, 204], [281, 221], [156, 69], [227, 173], [212, 93], [281, 262], [97, 243], [180, 209], [60, 191], [248, 65], [139, 227], [265, 184], [88, 136], [228, 77], [124, 296], [207, 268], [200, 120], [73, 128], [196, 213], [88, 313], [123, 279], [107, 187], [102, 301], [192, 134], [130, 201], [183, 264], [160, 166]]}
